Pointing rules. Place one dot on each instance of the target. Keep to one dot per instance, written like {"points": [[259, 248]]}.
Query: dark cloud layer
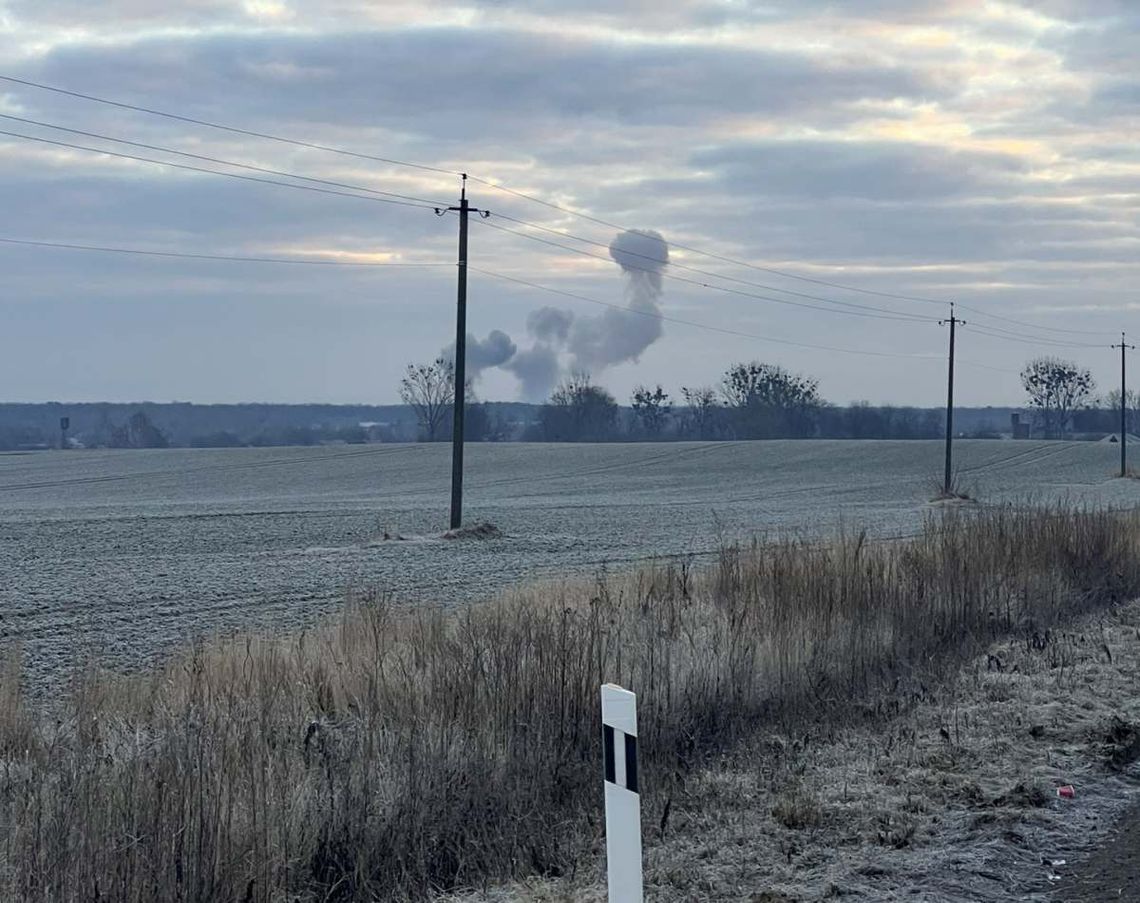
{"points": [[962, 149], [438, 80]]}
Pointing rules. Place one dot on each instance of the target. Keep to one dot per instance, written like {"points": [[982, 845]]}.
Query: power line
{"points": [[724, 259], [220, 161], [1027, 325], [395, 162], [482, 181], [224, 257], [367, 264], [720, 288], [226, 128], [498, 187], [995, 332], [214, 172], [696, 325], [973, 363], [672, 264], [275, 172]]}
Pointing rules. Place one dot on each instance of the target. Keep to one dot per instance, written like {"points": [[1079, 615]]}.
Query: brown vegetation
{"points": [[395, 753]]}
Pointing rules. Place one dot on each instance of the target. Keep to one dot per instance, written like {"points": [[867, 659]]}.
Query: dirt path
{"points": [[1113, 872]]}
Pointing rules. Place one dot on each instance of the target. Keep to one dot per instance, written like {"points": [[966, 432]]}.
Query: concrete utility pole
{"points": [[459, 402], [1123, 346], [948, 478]]}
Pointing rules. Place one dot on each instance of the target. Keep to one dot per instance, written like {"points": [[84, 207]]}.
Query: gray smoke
{"points": [[592, 343], [550, 324], [642, 254], [493, 351], [537, 369], [617, 336]]}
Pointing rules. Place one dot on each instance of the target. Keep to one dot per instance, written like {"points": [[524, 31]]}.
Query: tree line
{"points": [[752, 400]]}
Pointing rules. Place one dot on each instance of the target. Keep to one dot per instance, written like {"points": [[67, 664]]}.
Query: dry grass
{"points": [[951, 800], [957, 491], [395, 754]]}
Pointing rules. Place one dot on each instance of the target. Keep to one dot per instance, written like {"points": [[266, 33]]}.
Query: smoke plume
{"points": [[563, 342], [493, 351], [538, 371], [549, 324]]}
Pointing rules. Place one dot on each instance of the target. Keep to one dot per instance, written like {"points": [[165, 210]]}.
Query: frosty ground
{"points": [[952, 801], [129, 553], [819, 719]]}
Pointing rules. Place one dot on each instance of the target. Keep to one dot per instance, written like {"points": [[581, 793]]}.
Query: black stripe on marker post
{"points": [[631, 763], [608, 742]]}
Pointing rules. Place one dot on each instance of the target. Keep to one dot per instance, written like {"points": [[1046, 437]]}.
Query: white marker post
{"points": [[623, 803]]}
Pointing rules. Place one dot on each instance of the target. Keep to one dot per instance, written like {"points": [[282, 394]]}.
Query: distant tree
{"points": [[1111, 403], [483, 424], [220, 439], [138, 432], [578, 411], [353, 435], [767, 401], [865, 421], [862, 420], [651, 408], [921, 424], [103, 434], [429, 390], [933, 424], [1056, 388], [701, 419]]}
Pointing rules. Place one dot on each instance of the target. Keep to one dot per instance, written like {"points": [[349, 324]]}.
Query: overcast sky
{"points": [[983, 152]]}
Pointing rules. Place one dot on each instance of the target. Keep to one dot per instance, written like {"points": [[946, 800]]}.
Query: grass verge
{"points": [[395, 753]]}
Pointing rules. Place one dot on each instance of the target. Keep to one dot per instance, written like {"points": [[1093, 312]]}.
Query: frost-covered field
{"points": [[128, 552]]}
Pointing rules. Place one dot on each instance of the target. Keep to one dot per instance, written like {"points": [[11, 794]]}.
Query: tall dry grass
{"points": [[393, 753]]}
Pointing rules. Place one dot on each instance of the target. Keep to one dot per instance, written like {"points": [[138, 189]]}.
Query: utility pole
{"points": [[1123, 346], [948, 478], [459, 400]]}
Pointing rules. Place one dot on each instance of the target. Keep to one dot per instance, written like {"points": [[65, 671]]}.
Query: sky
{"points": [[826, 176]]}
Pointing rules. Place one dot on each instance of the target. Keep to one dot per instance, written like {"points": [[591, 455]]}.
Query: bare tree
{"points": [[652, 408], [579, 411], [702, 411], [429, 390], [768, 401], [1056, 388], [1131, 408]]}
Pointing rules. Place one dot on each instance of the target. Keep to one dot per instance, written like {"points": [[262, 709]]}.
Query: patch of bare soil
{"points": [[952, 501], [1113, 871], [941, 791], [475, 531]]}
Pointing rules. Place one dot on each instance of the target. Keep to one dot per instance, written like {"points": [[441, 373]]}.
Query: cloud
{"points": [[440, 81], [961, 149], [869, 170]]}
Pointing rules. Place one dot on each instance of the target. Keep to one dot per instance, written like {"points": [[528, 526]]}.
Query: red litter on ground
{"points": [[1067, 792]]}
